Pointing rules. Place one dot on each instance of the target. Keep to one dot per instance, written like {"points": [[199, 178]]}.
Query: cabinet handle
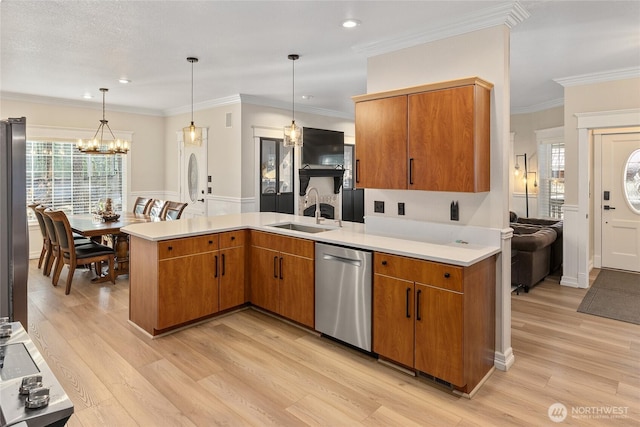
{"points": [[211, 242], [418, 305], [275, 267], [357, 170], [216, 275], [411, 171], [281, 268], [384, 262], [170, 248], [447, 275], [408, 295], [233, 237], [223, 264]]}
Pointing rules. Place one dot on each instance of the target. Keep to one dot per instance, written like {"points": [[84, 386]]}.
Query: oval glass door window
{"points": [[193, 177], [632, 181]]}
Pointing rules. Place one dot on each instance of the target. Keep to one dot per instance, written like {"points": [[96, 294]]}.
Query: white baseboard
{"points": [[504, 361]]}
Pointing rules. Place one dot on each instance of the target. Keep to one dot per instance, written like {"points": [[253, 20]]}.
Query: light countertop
{"points": [[356, 235]]}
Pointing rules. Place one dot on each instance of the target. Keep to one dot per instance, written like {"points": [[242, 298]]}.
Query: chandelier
{"points": [[98, 144], [191, 134], [293, 133]]}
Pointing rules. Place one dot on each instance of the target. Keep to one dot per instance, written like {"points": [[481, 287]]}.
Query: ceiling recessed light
{"points": [[307, 96], [124, 81], [87, 96], [351, 23]]}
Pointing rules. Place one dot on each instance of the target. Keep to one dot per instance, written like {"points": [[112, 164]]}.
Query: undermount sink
{"points": [[301, 227]]}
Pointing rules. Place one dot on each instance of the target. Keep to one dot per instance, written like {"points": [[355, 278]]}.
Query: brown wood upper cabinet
{"points": [[432, 137]]}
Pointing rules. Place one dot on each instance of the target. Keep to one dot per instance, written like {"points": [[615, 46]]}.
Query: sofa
{"points": [[531, 261], [555, 260]]}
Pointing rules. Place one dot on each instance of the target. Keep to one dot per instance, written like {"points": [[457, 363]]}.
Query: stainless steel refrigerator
{"points": [[14, 234]]}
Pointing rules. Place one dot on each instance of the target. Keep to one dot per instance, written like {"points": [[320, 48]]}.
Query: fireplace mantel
{"points": [[307, 174]]}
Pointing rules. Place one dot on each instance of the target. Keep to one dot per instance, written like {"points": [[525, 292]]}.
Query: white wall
{"points": [[484, 54], [146, 158], [578, 238], [258, 120], [524, 127]]}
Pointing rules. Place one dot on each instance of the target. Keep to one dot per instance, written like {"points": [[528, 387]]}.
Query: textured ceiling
{"points": [[64, 49]]}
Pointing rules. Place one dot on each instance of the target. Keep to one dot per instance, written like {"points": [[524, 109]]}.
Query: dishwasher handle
{"points": [[354, 262]]}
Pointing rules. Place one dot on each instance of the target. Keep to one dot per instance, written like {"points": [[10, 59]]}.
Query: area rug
{"points": [[614, 294]]}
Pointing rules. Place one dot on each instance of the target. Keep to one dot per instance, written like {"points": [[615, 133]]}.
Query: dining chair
{"points": [[46, 245], [156, 207], [54, 248], [142, 205], [173, 210], [76, 255]]}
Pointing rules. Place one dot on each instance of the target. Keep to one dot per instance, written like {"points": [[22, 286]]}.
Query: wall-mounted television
{"points": [[322, 147]]}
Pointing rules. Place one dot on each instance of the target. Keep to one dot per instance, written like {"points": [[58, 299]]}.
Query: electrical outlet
{"points": [[378, 206], [400, 208]]}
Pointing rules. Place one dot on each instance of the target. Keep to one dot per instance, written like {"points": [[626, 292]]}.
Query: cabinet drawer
{"points": [[415, 270], [232, 239], [396, 266], [187, 246], [443, 276], [290, 245]]}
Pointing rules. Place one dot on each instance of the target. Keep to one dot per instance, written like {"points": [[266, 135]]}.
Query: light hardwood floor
{"points": [[251, 369]]}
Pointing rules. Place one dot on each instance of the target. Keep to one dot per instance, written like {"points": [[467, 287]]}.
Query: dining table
{"points": [[95, 227]]}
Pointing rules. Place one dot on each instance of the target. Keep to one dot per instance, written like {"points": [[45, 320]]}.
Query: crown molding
{"points": [[605, 76], [22, 97], [265, 102], [509, 14], [558, 102], [213, 103]]}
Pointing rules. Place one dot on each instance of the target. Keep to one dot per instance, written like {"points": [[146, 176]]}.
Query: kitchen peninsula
{"points": [[187, 271]]}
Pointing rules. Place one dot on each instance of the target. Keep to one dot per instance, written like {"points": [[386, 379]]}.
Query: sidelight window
{"points": [[632, 181]]}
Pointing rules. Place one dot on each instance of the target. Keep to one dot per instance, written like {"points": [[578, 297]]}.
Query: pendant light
{"points": [[101, 145], [293, 133], [191, 134]]}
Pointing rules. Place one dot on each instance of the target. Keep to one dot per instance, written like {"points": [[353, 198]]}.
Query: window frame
{"points": [[36, 133]]}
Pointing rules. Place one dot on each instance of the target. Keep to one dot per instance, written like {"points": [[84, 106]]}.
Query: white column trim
{"points": [[587, 122], [503, 357]]}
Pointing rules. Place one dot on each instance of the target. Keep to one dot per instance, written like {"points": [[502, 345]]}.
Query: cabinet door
{"points": [[264, 278], [439, 333], [393, 319], [381, 143], [441, 140], [297, 294], [187, 289], [231, 272]]}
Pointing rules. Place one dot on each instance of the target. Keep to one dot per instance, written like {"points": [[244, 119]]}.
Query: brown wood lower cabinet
{"points": [[283, 275], [179, 281], [435, 318]]}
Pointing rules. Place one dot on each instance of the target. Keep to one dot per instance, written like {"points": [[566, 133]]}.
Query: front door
{"points": [[193, 176], [620, 201]]}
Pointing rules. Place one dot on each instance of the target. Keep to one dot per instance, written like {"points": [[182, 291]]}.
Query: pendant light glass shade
{"points": [[293, 132], [191, 134], [100, 144]]}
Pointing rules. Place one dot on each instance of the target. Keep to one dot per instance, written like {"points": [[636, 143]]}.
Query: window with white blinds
{"points": [[61, 177], [551, 182]]}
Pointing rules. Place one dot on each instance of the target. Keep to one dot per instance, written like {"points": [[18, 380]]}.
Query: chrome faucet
{"points": [[306, 201]]}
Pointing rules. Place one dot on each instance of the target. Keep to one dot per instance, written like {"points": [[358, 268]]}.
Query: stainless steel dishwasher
{"points": [[343, 294]]}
